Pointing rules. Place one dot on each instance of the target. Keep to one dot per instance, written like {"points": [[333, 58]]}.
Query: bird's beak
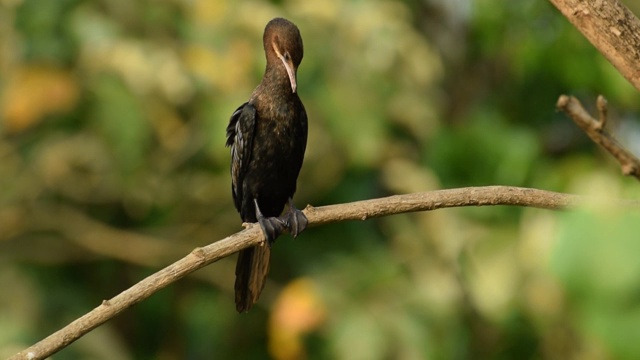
{"points": [[291, 71]]}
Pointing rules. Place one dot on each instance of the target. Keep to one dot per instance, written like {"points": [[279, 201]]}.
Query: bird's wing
{"points": [[304, 129], [301, 143], [240, 138]]}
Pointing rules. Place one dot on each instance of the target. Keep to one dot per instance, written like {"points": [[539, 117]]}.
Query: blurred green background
{"points": [[113, 165]]}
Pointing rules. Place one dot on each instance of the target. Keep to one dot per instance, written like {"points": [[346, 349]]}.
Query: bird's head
{"points": [[283, 47]]}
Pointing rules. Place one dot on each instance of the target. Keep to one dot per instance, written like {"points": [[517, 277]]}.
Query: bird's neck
{"points": [[276, 80]]}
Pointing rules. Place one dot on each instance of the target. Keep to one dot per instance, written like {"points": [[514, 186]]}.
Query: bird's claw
{"points": [[296, 222], [272, 227]]}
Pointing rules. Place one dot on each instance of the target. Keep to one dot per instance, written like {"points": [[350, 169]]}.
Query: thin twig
{"points": [[251, 236], [595, 129]]}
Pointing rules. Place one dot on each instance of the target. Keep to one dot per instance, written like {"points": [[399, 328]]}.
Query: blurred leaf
{"points": [[297, 311], [596, 260], [33, 92], [485, 151], [43, 23], [119, 117]]}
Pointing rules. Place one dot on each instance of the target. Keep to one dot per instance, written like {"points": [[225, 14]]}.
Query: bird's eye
{"points": [[287, 56]]}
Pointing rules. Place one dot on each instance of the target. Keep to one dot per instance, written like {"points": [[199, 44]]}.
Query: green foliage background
{"points": [[113, 165]]}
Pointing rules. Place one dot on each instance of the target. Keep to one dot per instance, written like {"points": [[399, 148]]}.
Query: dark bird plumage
{"points": [[268, 137]]}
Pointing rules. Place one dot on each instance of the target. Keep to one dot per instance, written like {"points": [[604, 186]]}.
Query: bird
{"points": [[268, 138]]}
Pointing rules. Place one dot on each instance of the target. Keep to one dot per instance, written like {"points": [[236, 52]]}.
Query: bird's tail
{"points": [[251, 275]]}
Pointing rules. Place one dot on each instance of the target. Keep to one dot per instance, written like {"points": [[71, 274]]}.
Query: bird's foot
{"points": [[295, 220], [272, 227]]}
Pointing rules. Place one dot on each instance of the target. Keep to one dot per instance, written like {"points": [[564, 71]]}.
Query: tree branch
{"points": [[612, 28], [252, 236], [595, 129]]}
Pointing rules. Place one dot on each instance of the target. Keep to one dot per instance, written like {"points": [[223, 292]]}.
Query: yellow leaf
{"points": [[297, 311], [33, 92]]}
